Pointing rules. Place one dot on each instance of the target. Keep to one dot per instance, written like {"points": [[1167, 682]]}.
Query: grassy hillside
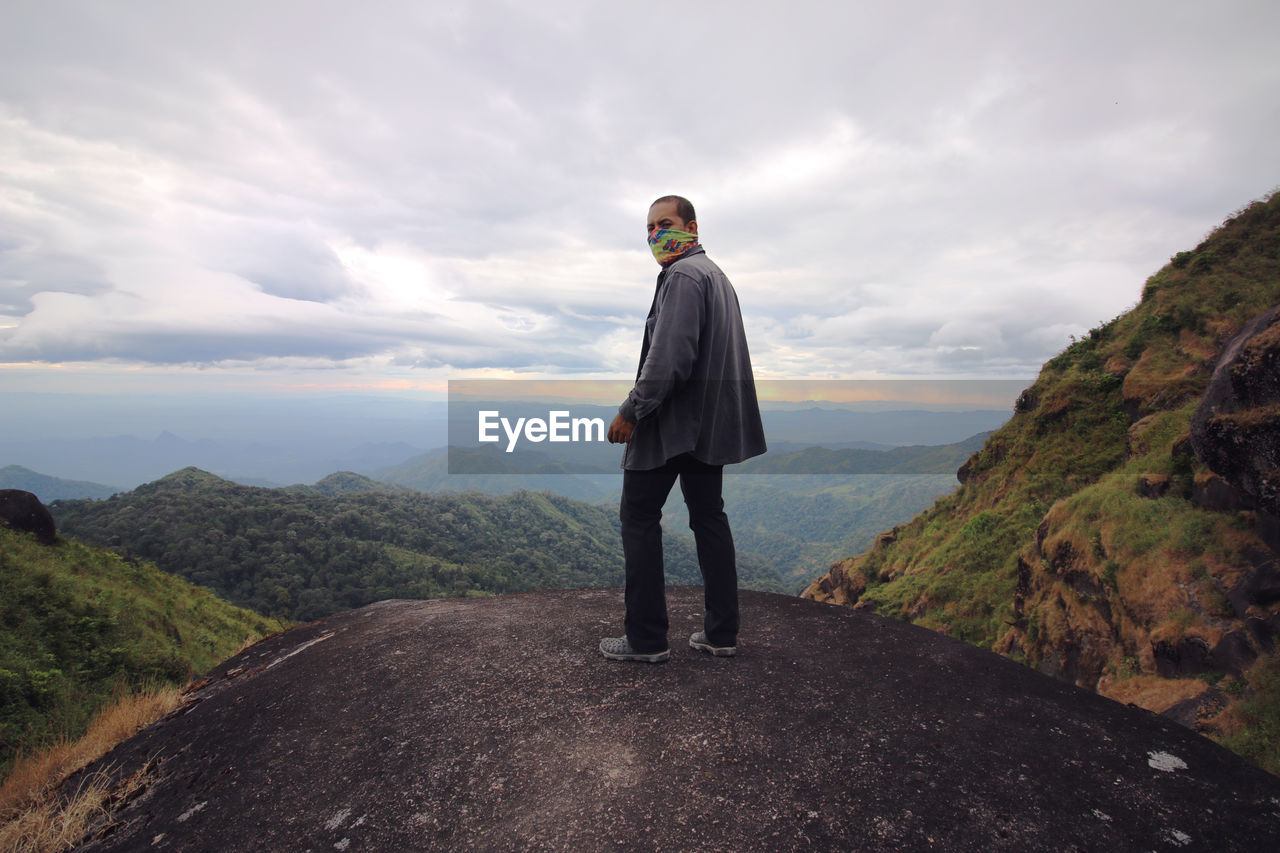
{"points": [[78, 624], [1076, 542]]}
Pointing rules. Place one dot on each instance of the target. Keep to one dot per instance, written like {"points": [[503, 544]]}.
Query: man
{"points": [[692, 411]]}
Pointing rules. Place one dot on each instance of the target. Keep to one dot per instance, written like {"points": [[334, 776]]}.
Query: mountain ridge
{"points": [[305, 553], [48, 488]]}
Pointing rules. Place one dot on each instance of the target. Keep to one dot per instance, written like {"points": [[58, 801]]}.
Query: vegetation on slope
{"points": [[306, 554], [801, 523], [792, 514], [81, 624], [1076, 542], [912, 459], [35, 816]]}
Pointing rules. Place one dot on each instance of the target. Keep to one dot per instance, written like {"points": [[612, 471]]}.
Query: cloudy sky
{"points": [[390, 194]]}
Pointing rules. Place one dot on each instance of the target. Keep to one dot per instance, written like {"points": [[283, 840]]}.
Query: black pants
{"points": [[643, 495]]}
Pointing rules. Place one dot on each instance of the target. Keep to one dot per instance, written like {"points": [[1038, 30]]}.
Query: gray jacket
{"points": [[694, 390]]}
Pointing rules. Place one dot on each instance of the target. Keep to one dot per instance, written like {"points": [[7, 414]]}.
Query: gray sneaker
{"points": [[699, 641], [617, 648]]}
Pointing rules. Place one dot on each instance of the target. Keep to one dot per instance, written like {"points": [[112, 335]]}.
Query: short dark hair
{"points": [[684, 207]]}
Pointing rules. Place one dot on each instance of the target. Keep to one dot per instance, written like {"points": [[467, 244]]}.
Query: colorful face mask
{"points": [[668, 244]]}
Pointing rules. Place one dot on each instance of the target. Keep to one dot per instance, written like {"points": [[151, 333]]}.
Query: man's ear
{"points": [[691, 226]]}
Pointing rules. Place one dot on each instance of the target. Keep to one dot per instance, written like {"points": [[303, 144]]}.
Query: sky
{"points": [[331, 197]]}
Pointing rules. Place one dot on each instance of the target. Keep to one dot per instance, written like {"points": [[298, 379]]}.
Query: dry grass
{"points": [[254, 639], [1152, 692], [53, 824], [35, 817]]}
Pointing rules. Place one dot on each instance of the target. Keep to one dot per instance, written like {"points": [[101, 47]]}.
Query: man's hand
{"points": [[620, 430]]}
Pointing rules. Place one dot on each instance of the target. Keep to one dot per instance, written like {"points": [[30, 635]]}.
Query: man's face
{"points": [[663, 215]]}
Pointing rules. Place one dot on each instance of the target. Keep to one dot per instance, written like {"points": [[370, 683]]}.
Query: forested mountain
{"points": [[492, 472], [911, 459], [303, 554], [345, 483], [801, 524], [795, 512], [78, 624], [1121, 530]]}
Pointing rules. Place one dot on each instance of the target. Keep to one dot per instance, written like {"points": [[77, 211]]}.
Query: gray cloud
{"points": [[906, 188]]}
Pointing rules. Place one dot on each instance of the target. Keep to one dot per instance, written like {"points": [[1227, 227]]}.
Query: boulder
{"points": [[1234, 653], [1182, 447], [1137, 441], [1194, 712], [1236, 428], [495, 724], [1153, 485], [842, 584], [884, 540], [23, 511], [1264, 631], [1187, 656], [1211, 492], [1261, 586]]}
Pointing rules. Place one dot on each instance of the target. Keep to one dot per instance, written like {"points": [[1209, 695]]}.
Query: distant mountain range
{"points": [[48, 488], [126, 439], [310, 443], [130, 461]]}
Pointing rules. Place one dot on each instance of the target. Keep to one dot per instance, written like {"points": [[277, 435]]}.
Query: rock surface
{"points": [[1236, 428], [495, 724], [23, 511]]}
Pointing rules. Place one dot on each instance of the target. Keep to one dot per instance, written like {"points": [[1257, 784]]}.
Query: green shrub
{"points": [[1258, 739], [1204, 261], [77, 624], [1110, 570]]}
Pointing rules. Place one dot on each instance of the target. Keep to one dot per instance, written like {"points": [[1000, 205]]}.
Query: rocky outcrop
{"points": [[23, 511], [1236, 429], [494, 724], [1153, 485], [842, 584], [1100, 538], [1087, 621], [845, 581]]}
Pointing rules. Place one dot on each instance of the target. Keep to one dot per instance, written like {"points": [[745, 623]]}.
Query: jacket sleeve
{"points": [[673, 346]]}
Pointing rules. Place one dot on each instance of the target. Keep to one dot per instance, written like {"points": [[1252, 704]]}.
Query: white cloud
{"points": [[433, 189]]}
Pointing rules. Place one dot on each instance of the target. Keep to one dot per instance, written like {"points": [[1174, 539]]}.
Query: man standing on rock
{"points": [[692, 411]]}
